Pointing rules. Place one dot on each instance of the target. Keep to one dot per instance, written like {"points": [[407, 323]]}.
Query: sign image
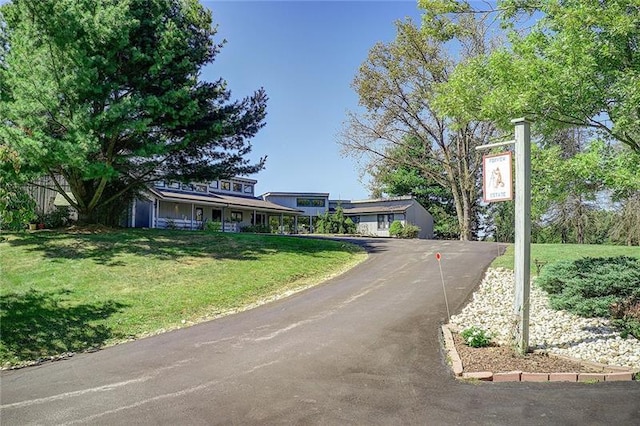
{"points": [[496, 177]]}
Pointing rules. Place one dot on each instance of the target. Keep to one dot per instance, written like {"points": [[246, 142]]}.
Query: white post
{"points": [[523, 232], [133, 214]]}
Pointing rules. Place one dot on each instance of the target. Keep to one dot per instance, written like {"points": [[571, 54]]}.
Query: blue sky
{"points": [[305, 54]]}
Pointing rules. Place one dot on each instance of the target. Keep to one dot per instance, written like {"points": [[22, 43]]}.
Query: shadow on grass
{"points": [[105, 247], [37, 325]]}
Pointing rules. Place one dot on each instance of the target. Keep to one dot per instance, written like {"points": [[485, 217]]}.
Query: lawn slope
{"points": [[70, 292], [548, 253]]}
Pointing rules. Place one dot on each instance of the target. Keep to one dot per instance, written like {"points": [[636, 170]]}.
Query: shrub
{"points": [[410, 231], [476, 337], [257, 229], [17, 208], [396, 228], [336, 223], [589, 286], [626, 316], [212, 226], [56, 218]]}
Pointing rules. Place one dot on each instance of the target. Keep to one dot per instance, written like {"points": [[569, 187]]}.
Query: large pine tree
{"points": [[108, 95]]}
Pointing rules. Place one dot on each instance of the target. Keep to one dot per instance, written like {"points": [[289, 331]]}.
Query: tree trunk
{"points": [[86, 217]]}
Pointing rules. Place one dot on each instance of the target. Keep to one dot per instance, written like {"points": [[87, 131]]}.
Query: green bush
{"points": [[56, 218], [336, 223], [256, 229], [17, 208], [476, 337], [589, 286], [396, 229], [210, 226], [410, 231], [626, 316]]}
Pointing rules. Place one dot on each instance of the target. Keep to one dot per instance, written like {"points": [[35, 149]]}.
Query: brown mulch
{"points": [[498, 359]]}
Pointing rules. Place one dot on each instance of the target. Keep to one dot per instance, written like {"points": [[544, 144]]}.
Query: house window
{"points": [[310, 202], [201, 188], [226, 186], [237, 187], [236, 216], [174, 185], [160, 184], [384, 220], [213, 185], [216, 215], [258, 219], [248, 189], [199, 214], [187, 187]]}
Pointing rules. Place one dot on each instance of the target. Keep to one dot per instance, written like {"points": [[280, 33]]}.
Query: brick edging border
{"points": [[621, 373]]}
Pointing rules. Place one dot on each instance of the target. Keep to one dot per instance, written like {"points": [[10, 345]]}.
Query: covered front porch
{"points": [[169, 210]]}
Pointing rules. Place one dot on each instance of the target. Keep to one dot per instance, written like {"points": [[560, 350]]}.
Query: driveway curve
{"points": [[362, 348]]}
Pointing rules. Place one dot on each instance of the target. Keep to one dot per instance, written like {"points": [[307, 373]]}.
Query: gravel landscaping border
{"points": [[589, 342]]}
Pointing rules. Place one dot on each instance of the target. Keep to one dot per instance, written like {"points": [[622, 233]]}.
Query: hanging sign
{"points": [[496, 177]]}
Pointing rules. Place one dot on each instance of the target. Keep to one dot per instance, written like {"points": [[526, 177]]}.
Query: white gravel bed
{"points": [[559, 332]]}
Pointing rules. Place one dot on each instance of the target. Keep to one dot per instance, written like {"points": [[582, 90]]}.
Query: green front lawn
{"points": [[549, 253], [69, 292]]}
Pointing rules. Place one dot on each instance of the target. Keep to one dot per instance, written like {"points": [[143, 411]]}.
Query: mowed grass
{"points": [[549, 253], [71, 292]]}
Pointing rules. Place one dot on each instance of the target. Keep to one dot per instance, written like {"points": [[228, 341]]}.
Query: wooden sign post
{"points": [[522, 260], [493, 171]]}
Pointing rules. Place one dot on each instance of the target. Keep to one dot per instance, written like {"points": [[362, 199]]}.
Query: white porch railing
{"points": [[169, 223]]}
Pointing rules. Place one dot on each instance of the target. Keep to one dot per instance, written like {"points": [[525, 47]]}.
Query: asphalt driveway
{"points": [[362, 349]]}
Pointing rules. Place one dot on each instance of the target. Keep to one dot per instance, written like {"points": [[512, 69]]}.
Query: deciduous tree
{"points": [[396, 87], [391, 176], [569, 63]]}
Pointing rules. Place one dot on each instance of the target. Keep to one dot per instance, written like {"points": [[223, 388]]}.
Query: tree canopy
{"points": [[568, 63], [107, 94], [398, 124], [392, 176]]}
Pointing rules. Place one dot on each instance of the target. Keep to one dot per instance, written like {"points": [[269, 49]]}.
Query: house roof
{"points": [[376, 209], [222, 200], [296, 194], [373, 200]]}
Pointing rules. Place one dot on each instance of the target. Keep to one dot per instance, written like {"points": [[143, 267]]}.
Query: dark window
{"points": [[310, 202], [237, 187], [384, 220], [259, 219], [236, 216], [226, 186], [216, 215]]}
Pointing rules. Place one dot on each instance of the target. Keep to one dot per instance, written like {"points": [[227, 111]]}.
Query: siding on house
{"points": [[374, 216], [44, 194], [309, 203], [233, 203]]}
